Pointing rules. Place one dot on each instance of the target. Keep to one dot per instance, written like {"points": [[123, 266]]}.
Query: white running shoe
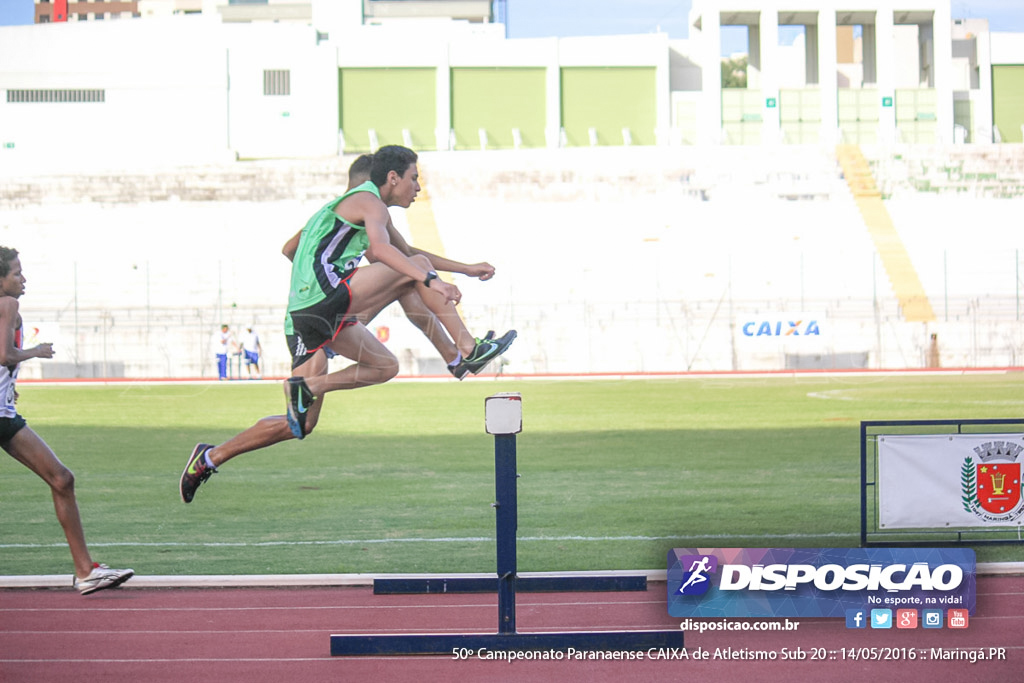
{"points": [[102, 577]]}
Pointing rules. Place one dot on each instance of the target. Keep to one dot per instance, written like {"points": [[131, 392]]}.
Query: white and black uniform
{"points": [[10, 421]]}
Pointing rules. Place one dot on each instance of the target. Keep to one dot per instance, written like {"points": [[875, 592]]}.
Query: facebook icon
{"points": [[856, 618]]}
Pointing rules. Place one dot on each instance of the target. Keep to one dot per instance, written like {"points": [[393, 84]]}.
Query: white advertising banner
{"points": [[782, 328], [949, 480], [35, 333]]}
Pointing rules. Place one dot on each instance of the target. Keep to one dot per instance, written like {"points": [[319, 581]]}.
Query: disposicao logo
{"points": [[823, 582], [697, 580]]}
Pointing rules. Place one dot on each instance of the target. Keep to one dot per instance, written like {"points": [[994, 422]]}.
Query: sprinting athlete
{"points": [[25, 446], [328, 290], [415, 310]]}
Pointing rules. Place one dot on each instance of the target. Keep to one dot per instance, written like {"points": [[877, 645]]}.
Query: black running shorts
{"points": [[319, 324], [9, 426]]}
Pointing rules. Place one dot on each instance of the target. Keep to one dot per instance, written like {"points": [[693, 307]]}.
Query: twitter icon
{"points": [[881, 618]]}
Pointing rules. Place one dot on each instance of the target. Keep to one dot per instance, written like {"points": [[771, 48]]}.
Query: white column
{"points": [[709, 113], [885, 54], [942, 48], [982, 132], [771, 63], [828, 78]]}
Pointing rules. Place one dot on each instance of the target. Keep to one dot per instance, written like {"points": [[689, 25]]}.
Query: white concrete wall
{"points": [[1007, 48], [892, 63], [301, 124], [189, 88], [164, 101]]}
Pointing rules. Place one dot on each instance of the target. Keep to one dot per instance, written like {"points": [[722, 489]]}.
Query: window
{"points": [[56, 96], [277, 82]]}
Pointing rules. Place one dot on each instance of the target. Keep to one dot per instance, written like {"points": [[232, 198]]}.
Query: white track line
{"points": [[450, 539], [313, 580]]}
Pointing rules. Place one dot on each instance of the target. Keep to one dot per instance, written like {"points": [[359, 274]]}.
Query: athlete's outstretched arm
{"points": [[483, 270], [9, 353]]}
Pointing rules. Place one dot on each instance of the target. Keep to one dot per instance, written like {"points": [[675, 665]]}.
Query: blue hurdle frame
{"points": [[507, 639]]}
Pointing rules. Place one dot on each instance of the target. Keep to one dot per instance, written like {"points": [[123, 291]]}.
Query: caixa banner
{"points": [[790, 327], [816, 582]]}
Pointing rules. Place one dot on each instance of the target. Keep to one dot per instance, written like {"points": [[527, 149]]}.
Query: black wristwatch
{"points": [[431, 275]]}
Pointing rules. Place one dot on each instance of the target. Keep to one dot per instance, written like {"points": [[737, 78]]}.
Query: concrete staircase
{"points": [[902, 275]]}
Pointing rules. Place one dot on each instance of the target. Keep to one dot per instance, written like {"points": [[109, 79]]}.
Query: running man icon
{"points": [[697, 579], [697, 573]]}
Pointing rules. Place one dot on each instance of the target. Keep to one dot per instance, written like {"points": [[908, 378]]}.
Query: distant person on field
{"points": [[223, 342], [25, 446], [329, 293], [252, 350]]}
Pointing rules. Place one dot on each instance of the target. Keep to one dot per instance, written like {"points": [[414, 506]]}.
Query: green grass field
{"points": [[400, 477]]}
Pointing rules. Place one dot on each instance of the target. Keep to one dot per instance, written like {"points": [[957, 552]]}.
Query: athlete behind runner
{"points": [[328, 290], [415, 310]]}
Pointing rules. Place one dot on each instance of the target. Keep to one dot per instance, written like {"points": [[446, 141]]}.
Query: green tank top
{"points": [[329, 250]]}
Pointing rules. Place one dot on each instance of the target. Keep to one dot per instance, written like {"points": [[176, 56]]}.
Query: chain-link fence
{"points": [[594, 337]]}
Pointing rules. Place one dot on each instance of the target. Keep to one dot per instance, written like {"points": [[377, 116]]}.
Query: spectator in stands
{"points": [[328, 294], [25, 446]]}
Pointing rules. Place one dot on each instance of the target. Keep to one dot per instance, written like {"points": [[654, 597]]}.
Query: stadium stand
{"points": [[610, 260]]}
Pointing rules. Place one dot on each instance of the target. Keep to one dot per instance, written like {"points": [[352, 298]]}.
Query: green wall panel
{"points": [[859, 105], [916, 114], [388, 100], [1008, 101], [685, 117], [800, 105], [499, 100], [859, 112], [609, 99], [801, 132], [740, 104], [800, 115], [916, 104]]}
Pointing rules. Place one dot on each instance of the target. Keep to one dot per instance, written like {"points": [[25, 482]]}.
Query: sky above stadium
{"points": [[547, 18], [541, 18]]}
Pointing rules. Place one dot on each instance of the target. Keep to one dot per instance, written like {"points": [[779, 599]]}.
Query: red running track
{"points": [[255, 635]]}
